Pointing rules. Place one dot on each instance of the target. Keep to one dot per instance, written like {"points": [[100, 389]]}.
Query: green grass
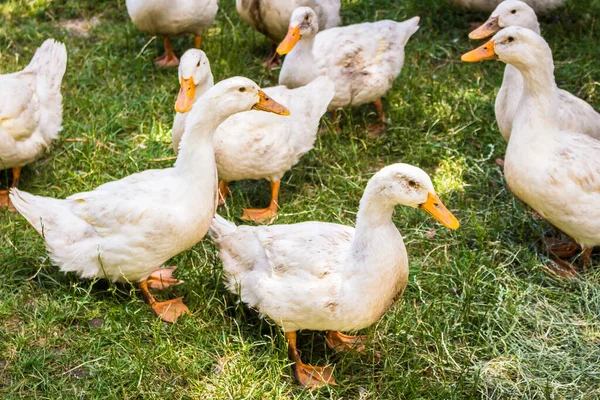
{"points": [[479, 319]]}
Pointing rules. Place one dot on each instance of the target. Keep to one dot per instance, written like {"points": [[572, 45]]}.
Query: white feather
{"points": [[362, 60], [31, 106]]}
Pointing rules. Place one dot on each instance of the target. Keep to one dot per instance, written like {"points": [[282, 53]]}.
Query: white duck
{"points": [[271, 17], [363, 60], [574, 114], [540, 6], [124, 230], [172, 18], [557, 173], [324, 276], [250, 146], [195, 78], [31, 109]]}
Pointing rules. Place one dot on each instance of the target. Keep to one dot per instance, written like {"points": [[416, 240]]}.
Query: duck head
{"points": [[407, 185], [194, 70], [239, 94], [303, 23], [508, 13], [517, 46]]}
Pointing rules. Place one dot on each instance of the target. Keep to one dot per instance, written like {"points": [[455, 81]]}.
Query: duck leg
{"points": [[586, 260], [4, 200], [273, 58], [169, 59], [336, 120], [198, 41], [16, 176], [265, 214], [307, 375], [162, 278], [340, 342], [376, 130], [168, 310], [379, 110], [223, 191]]}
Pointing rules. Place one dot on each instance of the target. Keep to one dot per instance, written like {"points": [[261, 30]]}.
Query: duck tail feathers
{"points": [[50, 63], [31, 207], [221, 227], [326, 89], [410, 26]]}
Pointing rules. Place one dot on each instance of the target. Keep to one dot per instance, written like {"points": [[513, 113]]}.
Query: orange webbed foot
{"points": [[166, 61], [265, 215], [561, 248], [162, 278], [262, 215], [170, 310], [313, 376], [307, 375], [561, 268], [340, 342], [376, 130]]}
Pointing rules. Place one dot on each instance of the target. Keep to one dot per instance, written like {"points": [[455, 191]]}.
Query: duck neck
{"points": [[377, 264], [196, 154], [375, 235], [512, 78], [537, 111], [534, 27], [539, 80], [203, 87], [372, 212], [304, 47]]}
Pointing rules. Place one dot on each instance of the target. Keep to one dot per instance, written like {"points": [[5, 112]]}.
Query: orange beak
{"points": [[267, 104], [289, 41], [482, 53], [185, 98], [437, 210], [486, 30]]}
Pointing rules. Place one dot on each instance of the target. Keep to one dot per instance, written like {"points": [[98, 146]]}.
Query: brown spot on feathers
{"points": [[332, 306]]}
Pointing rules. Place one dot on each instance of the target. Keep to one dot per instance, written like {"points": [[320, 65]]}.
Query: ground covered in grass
{"points": [[480, 317]]}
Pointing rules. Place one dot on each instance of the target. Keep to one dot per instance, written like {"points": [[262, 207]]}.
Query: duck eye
{"points": [[242, 89], [513, 12], [412, 183], [306, 17], [510, 39]]}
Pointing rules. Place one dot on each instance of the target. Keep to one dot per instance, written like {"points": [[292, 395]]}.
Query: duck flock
{"points": [[310, 275]]}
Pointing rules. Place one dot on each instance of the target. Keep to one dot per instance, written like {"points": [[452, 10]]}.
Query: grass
{"points": [[479, 319]]}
